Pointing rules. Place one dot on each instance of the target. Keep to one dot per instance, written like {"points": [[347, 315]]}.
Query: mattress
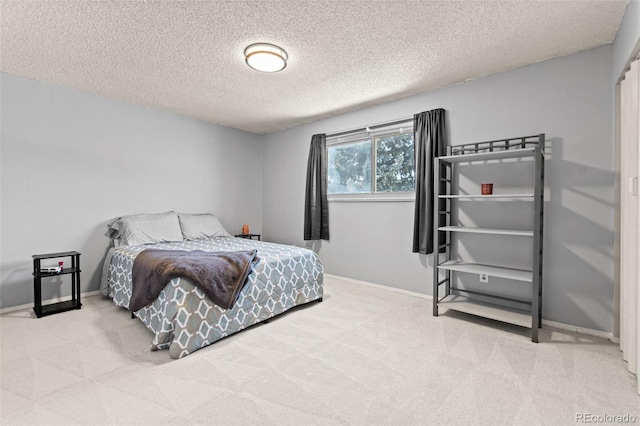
{"points": [[183, 320]]}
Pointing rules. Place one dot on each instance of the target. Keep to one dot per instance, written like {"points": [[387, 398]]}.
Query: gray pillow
{"points": [[197, 226], [146, 228]]}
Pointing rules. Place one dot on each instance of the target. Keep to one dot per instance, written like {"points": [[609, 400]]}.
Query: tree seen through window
{"points": [[395, 171]]}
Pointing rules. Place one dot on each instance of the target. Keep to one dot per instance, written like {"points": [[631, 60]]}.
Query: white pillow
{"points": [[197, 226], [146, 228]]}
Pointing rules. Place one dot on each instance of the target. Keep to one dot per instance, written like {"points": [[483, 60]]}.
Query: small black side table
{"points": [[249, 236], [38, 275]]}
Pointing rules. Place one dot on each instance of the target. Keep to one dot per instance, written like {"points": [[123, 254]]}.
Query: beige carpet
{"points": [[364, 356]]}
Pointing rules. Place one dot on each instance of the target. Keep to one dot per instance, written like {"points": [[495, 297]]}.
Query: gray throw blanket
{"points": [[220, 275]]}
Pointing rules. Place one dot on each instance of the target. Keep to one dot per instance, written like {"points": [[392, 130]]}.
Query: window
{"points": [[380, 163]]}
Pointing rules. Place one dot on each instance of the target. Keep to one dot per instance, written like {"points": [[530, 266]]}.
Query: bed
{"points": [[182, 319]]}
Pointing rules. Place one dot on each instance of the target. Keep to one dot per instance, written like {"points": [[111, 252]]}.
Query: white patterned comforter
{"points": [[183, 319]]}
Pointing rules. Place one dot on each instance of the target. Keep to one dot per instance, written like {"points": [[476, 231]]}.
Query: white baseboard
{"points": [[382, 287], [547, 323], [47, 302], [580, 330]]}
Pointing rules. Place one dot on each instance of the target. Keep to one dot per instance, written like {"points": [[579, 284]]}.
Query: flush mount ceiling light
{"points": [[265, 57]]}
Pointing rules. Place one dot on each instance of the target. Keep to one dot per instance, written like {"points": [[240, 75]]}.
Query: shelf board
{"points": [[487, 310], [55, 308], [65, 271], [474, 230], [487, 197], [54, 255], [485, 156], [492, 271]]}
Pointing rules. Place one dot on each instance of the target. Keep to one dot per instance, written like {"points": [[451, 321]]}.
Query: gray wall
{"points": [[570, 99], [72, 161]]}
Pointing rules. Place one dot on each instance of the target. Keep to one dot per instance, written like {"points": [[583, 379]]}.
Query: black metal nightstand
{"points": [[40, 272], [249, 236]]}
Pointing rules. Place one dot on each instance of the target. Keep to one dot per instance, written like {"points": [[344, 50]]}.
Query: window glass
{"points": [[395, 171], [381, 164], [349, 168]]}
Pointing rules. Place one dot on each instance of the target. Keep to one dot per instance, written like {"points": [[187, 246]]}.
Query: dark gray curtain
{"points": [[429, 139], [316, 207]]}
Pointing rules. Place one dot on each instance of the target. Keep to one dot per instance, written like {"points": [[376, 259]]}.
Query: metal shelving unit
{"points": [[446, 293]]}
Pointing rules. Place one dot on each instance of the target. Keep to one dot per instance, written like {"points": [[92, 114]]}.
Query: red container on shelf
{"points": [[486, 188]]}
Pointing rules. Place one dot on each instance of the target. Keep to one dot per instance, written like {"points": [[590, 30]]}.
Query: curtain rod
{"points": [[368, 128]]}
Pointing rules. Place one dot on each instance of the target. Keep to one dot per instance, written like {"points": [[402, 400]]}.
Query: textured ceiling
{"points": [[187, 56]]}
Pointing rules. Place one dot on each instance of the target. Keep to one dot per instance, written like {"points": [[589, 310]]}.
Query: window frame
{"points": [[373, 195]]}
